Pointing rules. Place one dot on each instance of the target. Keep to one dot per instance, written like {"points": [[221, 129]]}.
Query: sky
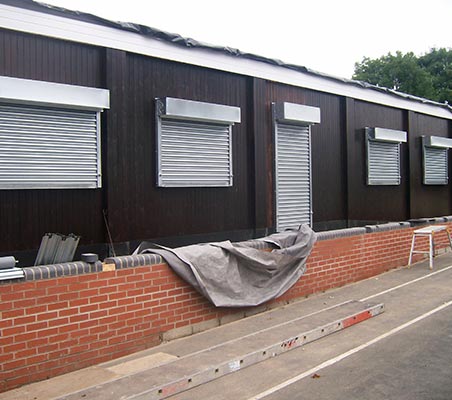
{"points": [[328, 36]]}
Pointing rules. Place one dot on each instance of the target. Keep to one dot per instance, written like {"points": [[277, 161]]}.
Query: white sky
{"points": [[325, 35]]}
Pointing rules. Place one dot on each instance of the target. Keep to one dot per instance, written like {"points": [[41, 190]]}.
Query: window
{"points": [[292, 126], [194, 142], [434, 149], [49, 135], [383, 156]]}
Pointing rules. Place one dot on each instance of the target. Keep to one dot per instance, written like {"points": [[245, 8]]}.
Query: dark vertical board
{"points": [[260, 153], [328, 152], [351, 149], [115, 143], [25, 215], [426, 200], [138, 209], [375, 203]]}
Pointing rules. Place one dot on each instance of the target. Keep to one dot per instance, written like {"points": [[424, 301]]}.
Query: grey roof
{"points": [[179, 40]]}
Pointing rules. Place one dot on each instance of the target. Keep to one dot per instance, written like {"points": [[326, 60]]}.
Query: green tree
{"points": [[401, 72], [438, 62]]}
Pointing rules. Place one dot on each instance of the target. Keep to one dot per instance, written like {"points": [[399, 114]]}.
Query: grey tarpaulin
{"points": [[235, 275]]}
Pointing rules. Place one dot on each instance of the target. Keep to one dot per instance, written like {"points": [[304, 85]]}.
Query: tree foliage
{"points": [[429, 75]]}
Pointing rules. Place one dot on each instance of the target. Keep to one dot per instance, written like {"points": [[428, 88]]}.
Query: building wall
{"points": [[426, 199], [136, 210], [374, 203], [27, 214], [328, 153]]}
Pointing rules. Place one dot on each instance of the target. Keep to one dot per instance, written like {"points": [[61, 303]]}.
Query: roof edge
{"points": [[340, 86]]}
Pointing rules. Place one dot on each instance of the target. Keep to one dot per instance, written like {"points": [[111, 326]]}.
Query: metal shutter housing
{"points": [[194, 154], [194, 142], [383, 163], [46, 148], [383, 155], [435, 166], [293, 176], [435, 159]]}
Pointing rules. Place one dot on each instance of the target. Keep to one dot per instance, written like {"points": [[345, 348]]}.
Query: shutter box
{"points": [[293, 176], [194, 142], [50, 134], [383, 155], [435, 160]]}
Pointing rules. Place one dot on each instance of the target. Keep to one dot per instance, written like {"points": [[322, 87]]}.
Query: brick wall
{"points": [[60, 319]]}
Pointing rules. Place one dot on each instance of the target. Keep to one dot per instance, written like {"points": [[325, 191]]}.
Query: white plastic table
{"points": [[429, 231]]}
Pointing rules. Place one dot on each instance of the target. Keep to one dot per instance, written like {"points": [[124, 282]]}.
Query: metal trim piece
{"points": [[387, 135], [297, 113], [198, 111], [28, 91], [437, 141]]}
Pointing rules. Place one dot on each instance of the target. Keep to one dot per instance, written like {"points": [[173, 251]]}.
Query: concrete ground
{"points": [[403, 353]]}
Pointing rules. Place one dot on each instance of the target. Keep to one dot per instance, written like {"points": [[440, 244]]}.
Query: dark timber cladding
{"points": [[26, 215], [375, 203], [426, 200], [328, 153], [138, 209]]}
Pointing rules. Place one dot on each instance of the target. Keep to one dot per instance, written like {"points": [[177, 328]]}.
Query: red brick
{"points": [[13, 313], [11, 348]]}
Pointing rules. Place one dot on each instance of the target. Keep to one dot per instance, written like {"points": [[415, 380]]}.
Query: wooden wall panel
{"points": [[138, 209], [426, 200], [375, 203], [328, 153], [25, 215]]}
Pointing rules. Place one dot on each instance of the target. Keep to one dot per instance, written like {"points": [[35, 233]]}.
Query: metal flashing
{"points": [[297, 113], [387, 135], [80, 27], [437, 141], [198, 111], [28, 91]]}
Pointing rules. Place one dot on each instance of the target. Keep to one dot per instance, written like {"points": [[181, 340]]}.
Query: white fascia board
{"points": [[197, 110], [39, 23], [387, 135], [437, 141], [297, 113], [27, 91]]}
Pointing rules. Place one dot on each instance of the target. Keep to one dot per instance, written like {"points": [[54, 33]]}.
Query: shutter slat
{"points": [[435, 166], [293, 186], [48, 148], [383, 163], [194, 154]]}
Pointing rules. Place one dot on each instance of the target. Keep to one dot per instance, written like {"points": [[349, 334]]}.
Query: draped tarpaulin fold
{"points": [[236, 275]]}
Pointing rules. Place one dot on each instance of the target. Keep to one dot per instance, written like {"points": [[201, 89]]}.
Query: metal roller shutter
{"points": [[43, 148], [293, 176], [435, 166], [194, 154], [383, 160]]}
